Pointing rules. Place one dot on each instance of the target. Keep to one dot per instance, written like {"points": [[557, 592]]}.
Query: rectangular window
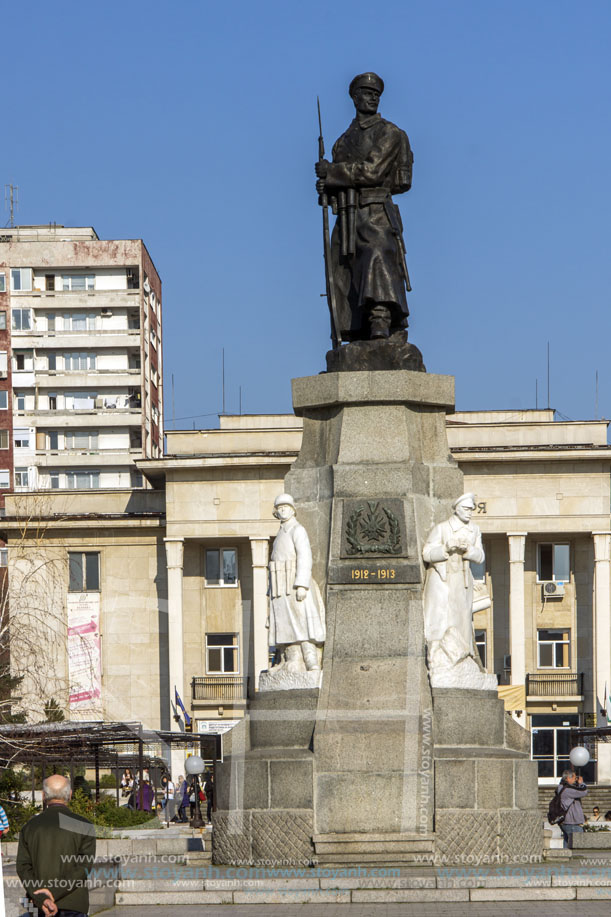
{"points": [[83, 480], [79, 322], [21, 319], [21, 279], [21, 477], [3, 557], [82, 439], [480, 643], [221, 567], [5, 478], [133, 321], [74, 362], [80, 401], [52, 362], [84, 570], [133, 278], [3, 364], [78, 282], [52, 401], [554, 649], [136, 479], [222, 654], [49, 282], [553, 563], [3, 439], [2, 320], [21, 438], [3, 401], [53, 439], [19, 361], [2, 283], [54, 478], [51, 321], [20, 399]]}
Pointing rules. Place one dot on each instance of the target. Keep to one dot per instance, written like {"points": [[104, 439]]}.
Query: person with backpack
{"points": [[570, 791]]}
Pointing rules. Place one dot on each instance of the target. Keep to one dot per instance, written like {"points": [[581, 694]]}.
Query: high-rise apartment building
{"points": [[80, 359]]}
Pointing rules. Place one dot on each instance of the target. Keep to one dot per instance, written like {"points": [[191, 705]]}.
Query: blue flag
{"points": [[180, 704]]}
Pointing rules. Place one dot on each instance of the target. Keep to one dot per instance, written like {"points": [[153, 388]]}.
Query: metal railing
{"points": [[219, 687], [555, 684]]}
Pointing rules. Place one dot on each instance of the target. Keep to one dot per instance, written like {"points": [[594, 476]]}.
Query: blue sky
{"points": [[193, 125]]}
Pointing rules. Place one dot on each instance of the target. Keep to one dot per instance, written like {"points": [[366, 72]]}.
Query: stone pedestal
{"points": [[373, 476]]}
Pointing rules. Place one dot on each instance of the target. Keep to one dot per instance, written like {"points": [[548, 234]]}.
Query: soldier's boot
{"points": [[310, 656], [379, 321], [293, 658]]}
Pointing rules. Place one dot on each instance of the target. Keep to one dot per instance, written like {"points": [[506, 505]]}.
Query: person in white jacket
{"points": [[297, 615]]}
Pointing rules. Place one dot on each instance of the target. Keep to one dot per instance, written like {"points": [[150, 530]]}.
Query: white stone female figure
{"points": [[297, 614], [448, 600]]}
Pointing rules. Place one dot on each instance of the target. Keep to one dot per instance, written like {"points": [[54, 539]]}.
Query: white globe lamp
{"points": [[194, 766], [579, 756]]}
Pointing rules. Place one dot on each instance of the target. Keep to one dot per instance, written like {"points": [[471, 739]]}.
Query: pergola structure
{"points": [[96, 744]]}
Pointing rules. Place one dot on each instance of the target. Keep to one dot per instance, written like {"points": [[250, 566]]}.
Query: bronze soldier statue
{"points": [[372, 161]]}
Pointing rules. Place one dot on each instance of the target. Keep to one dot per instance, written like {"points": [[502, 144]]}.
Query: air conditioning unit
{"points": [[507, 661], [552, 590]]}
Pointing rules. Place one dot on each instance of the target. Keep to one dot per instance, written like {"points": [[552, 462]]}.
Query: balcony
{"points": [[219, 688], [555, 684]]}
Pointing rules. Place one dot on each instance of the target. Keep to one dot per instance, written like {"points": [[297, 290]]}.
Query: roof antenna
{"points": [[11, 202]]}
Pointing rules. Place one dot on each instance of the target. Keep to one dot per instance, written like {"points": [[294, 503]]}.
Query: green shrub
{"points": [[107, 814]]}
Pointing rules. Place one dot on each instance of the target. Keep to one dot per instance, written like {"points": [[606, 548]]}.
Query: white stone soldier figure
{"points": [[448, 600], [297, 614]]}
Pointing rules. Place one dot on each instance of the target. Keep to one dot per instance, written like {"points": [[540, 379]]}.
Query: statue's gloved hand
{"points": [[321, 168], [320, 186], [301, 593]]}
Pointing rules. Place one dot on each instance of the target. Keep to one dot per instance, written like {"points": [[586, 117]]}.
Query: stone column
{"points": [[174, 548], [517, 645], [260, 552], [602, 642]]}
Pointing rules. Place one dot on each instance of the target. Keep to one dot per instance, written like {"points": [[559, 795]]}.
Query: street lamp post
{"points": [[194, 766]]}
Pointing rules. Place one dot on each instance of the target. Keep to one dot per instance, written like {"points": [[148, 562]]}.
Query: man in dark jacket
{"points": [[573, 789], [55, 854]]}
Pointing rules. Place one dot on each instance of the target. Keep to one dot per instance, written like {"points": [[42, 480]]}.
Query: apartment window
{"points": [[221, 567], [133, 321], [52, 401], [21, 477], [54, 479], [21, 279], [3, 401], [554, 649], [222, 654], [2, 320], [49, 282], [52, 362], [84, 570], [3, 364], [21, 319], [480, 643], [5, 478], [51, 321], [82, 480], [53, 439], [3, 557], [3, 439], [133, 278], [21, 438], [78, 281], [136, 479], [2, 283], [82, 439], [553, 563], [153, 339], [73, 362], [80, 321], [20, 399]]}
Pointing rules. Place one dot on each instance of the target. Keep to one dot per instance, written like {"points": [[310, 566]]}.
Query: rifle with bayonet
{"points": [[330, 283]]}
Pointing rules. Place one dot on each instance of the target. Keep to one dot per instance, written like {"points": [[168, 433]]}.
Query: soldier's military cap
{"points": [[368, 81]]}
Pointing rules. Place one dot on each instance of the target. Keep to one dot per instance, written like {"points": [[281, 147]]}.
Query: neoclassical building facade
{"points": [[175, 576]]}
